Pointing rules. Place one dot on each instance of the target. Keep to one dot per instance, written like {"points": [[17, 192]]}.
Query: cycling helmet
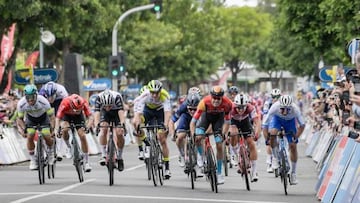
{"points": [[275, 92], [76, 102], [143, 88], [192, 100], [194, 90], [50, 89], [233, 90], [106, 98], [217, 91], [286, 100], [241, 100], [154, 86], [30, 89]]}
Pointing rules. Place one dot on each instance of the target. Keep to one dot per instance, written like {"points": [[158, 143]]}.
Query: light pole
{"points": [[48, 38]]}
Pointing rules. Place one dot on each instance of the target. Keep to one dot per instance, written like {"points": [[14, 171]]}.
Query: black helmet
{"points": [[217, 91], [233, 90], [192, 100]]}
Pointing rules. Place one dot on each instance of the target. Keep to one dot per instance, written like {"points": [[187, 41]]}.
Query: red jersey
{"points": [[65, 108], [205, 105], [249, 111]]}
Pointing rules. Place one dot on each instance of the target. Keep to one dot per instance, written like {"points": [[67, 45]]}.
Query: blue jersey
{"points": [[181, 110], [293, 113]]}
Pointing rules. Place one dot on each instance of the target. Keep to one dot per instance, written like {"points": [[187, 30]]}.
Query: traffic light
{"points": [[114, 64], [122, 67], [157, 6]]}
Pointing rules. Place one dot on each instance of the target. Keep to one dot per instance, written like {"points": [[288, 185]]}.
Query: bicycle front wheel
{"points": [[283, 172], [226, 159], [244, 159], [212, 170], [191, 164], [111, 161], [40, 160], [154, 159], [78, 163]]}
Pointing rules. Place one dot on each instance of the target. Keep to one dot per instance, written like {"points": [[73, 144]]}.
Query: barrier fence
{"points": [[338, 163]]}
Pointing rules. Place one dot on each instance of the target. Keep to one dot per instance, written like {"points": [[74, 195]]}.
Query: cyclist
{"points": [[232, 92], [37, 111], [54, 93], [285, 114], [138, 110], [156, 107], [194, 90], [275, 95], [241, 115], [109, 107], [213, 109], [72, 109], [183, 115]]}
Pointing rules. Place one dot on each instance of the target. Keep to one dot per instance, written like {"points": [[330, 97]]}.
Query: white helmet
{"points": [[286, 100], [241, 100], [194, 90], [275, 92], [106, 98]]}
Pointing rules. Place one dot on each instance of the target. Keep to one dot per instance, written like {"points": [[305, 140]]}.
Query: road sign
{"points": [[41, 76]]}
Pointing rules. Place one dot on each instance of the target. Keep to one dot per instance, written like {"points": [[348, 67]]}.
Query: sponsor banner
{"points": [[98, 84], [41, 76]]}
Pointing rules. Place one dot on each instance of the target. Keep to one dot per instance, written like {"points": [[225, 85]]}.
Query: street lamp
{"points": [[47, 38]]}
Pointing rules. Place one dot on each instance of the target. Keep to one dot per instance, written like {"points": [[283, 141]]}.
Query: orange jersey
{"points": [[205, 105], [65, 108]]}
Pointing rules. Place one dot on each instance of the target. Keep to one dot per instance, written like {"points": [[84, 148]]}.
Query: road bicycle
{"points": [[77, 154], [226, 161], [210, 164], [190, 158], [284, 166], [244, 165], [42, 155], [111, 160], [154, 163]]}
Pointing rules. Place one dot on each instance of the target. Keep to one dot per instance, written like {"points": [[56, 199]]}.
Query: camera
{"points": [[346, 96], [339, 84], [353, 135]]}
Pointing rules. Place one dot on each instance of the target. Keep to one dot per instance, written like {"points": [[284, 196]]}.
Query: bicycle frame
{"points": [[283, 161], [155, 162], [111, 152]]}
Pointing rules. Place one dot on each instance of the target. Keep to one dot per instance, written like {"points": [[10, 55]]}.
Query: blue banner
{"points": [[41, 76], [98, 84]]}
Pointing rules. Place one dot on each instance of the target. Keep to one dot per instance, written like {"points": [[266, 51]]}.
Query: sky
{"points": [[241, 2]]}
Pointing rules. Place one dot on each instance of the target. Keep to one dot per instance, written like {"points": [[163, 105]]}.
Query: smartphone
{"points": [[346, 96], [353, 135], [345, 116], [356, 80]]}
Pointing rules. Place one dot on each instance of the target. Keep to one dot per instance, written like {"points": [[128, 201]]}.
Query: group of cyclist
{"points": [[223, 116]]}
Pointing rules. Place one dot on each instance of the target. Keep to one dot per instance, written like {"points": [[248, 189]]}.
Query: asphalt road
{"points": [[19, 184]]}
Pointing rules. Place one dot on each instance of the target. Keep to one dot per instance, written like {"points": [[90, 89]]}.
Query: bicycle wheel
{"points": [[212, 172], [226, 159], [283, 172], [40, 160], [78, 161], [191, 164], [244, 165], [154, 158], [111, 161], [51, 168]]}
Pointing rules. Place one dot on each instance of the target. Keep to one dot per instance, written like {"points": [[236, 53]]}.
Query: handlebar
{"points": [[108, 126]]}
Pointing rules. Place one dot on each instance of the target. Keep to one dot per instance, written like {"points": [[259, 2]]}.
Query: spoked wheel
{"points": [[191, 166], [244, 167], [161, 166], [78, 162], [154, 157], [111, 162], [212, 171], [40, 161], [283, 173], [148, 167]]}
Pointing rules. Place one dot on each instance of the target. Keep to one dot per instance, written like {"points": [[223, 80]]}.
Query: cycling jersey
{"points": [[66, 109], [206, 106], [37, 110], [250, 112], [60, 91], [184, 117], [118, 103], [145, 99]]}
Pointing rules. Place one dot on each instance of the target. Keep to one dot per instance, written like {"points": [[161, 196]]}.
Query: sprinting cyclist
{"points": [[55, 93], [109, 107], [285, 114], [36, 110], [156, 108], [74, 108], [183, 115], [275, 95], [241, 115], [140, 136], [213, 109]]}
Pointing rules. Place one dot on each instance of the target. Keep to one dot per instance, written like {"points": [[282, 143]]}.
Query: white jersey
{"points": [[40, 107], [146, 99], [293, 112], [60, 91]]}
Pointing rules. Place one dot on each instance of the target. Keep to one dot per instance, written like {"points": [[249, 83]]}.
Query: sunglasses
{"points": [[151, 92], [241, 107], [216, 98], [284, 108], [275, 97], [31, 97], [191, 109]]}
